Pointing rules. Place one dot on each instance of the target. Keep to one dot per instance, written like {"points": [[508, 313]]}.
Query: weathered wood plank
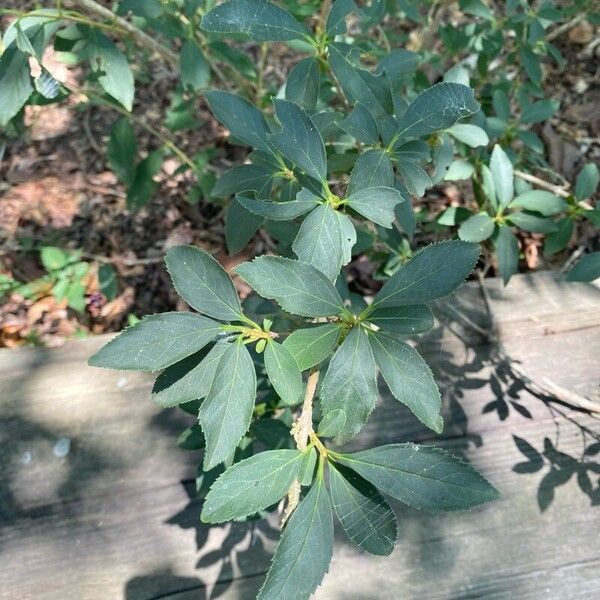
{"points": [[113, 520]]}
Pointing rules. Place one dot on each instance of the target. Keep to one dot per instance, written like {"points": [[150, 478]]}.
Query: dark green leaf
{"points": [[240, 226], [363, 512], [414, 177], [107, 281], [195, 70], [304, 552], [325, 240], [280, 211], [244, 178], [313, 345], [358, 84], [372, 169], [507, 251], [307, 470], [156, 342], [258, 19], [15, 83], [284, 373], [361, 125], [304, 83], [531, 223], [191, 439], [188, 380], [336, 20], [469, 134], [403, 320], [299, 140], [243, 120], [587, 182], [203, 283], [557, 241], [376, 204], [227, 409], [502, 176], [540, 111], [122, 150], [501, 104], [434, 272], [545, 203], [350, 384], [332, 423], [477, 228], [437, 108], [421, 476], [251, 485], [143, 186], [409, 378], [586, 269], [298, 287], [112, 69]]}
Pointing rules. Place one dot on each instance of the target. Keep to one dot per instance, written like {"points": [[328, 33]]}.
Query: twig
{"points": [[120, 260], [143, 39], [301, 431], [565, 27], [555, 189]]}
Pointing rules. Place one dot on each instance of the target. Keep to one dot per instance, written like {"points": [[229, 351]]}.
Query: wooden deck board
{"points": [[114, 518]]}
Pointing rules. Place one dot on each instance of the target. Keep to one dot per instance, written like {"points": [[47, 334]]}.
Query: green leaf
{"points": [[487, 185], [372, 169], [531, 140], [409, 378], [251, 485], [260, 20], [107, 281], [336, 19], [332, 423], [203, 283], [240, 226], [143, 186], [298, 287], [307, 470], [363, 512], [195, 70], [557, 241], [540, 111], [191, 439], [586, 269], [587, 182], [122, 150], [15, 83], [532, 223], [245, 122], [304, 552], [227, 409], [189, 379], [372, 91], [54, 258], [437, 108], [361, 125], [284, 373], [244, 178], [156, 342], [325, 240], [111, 68], [299, 140], [507, 251], [350, 383], [422, 476], [545, 203], [532, 64], [502, 176], [376, 204], [477, 228], [280, 211], [304, 83], [469, 134], [403, 320], [459, 170], [501, 103], [414, 177], [313, 345], [273, 433], [433, 272]]}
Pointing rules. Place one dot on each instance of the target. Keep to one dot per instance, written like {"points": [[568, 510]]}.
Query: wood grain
{"points": [[115, 519]]}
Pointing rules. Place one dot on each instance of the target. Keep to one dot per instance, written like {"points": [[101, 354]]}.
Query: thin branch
{"points": [[301, 431], [555, 189], [565, 27], [143, 39]]}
